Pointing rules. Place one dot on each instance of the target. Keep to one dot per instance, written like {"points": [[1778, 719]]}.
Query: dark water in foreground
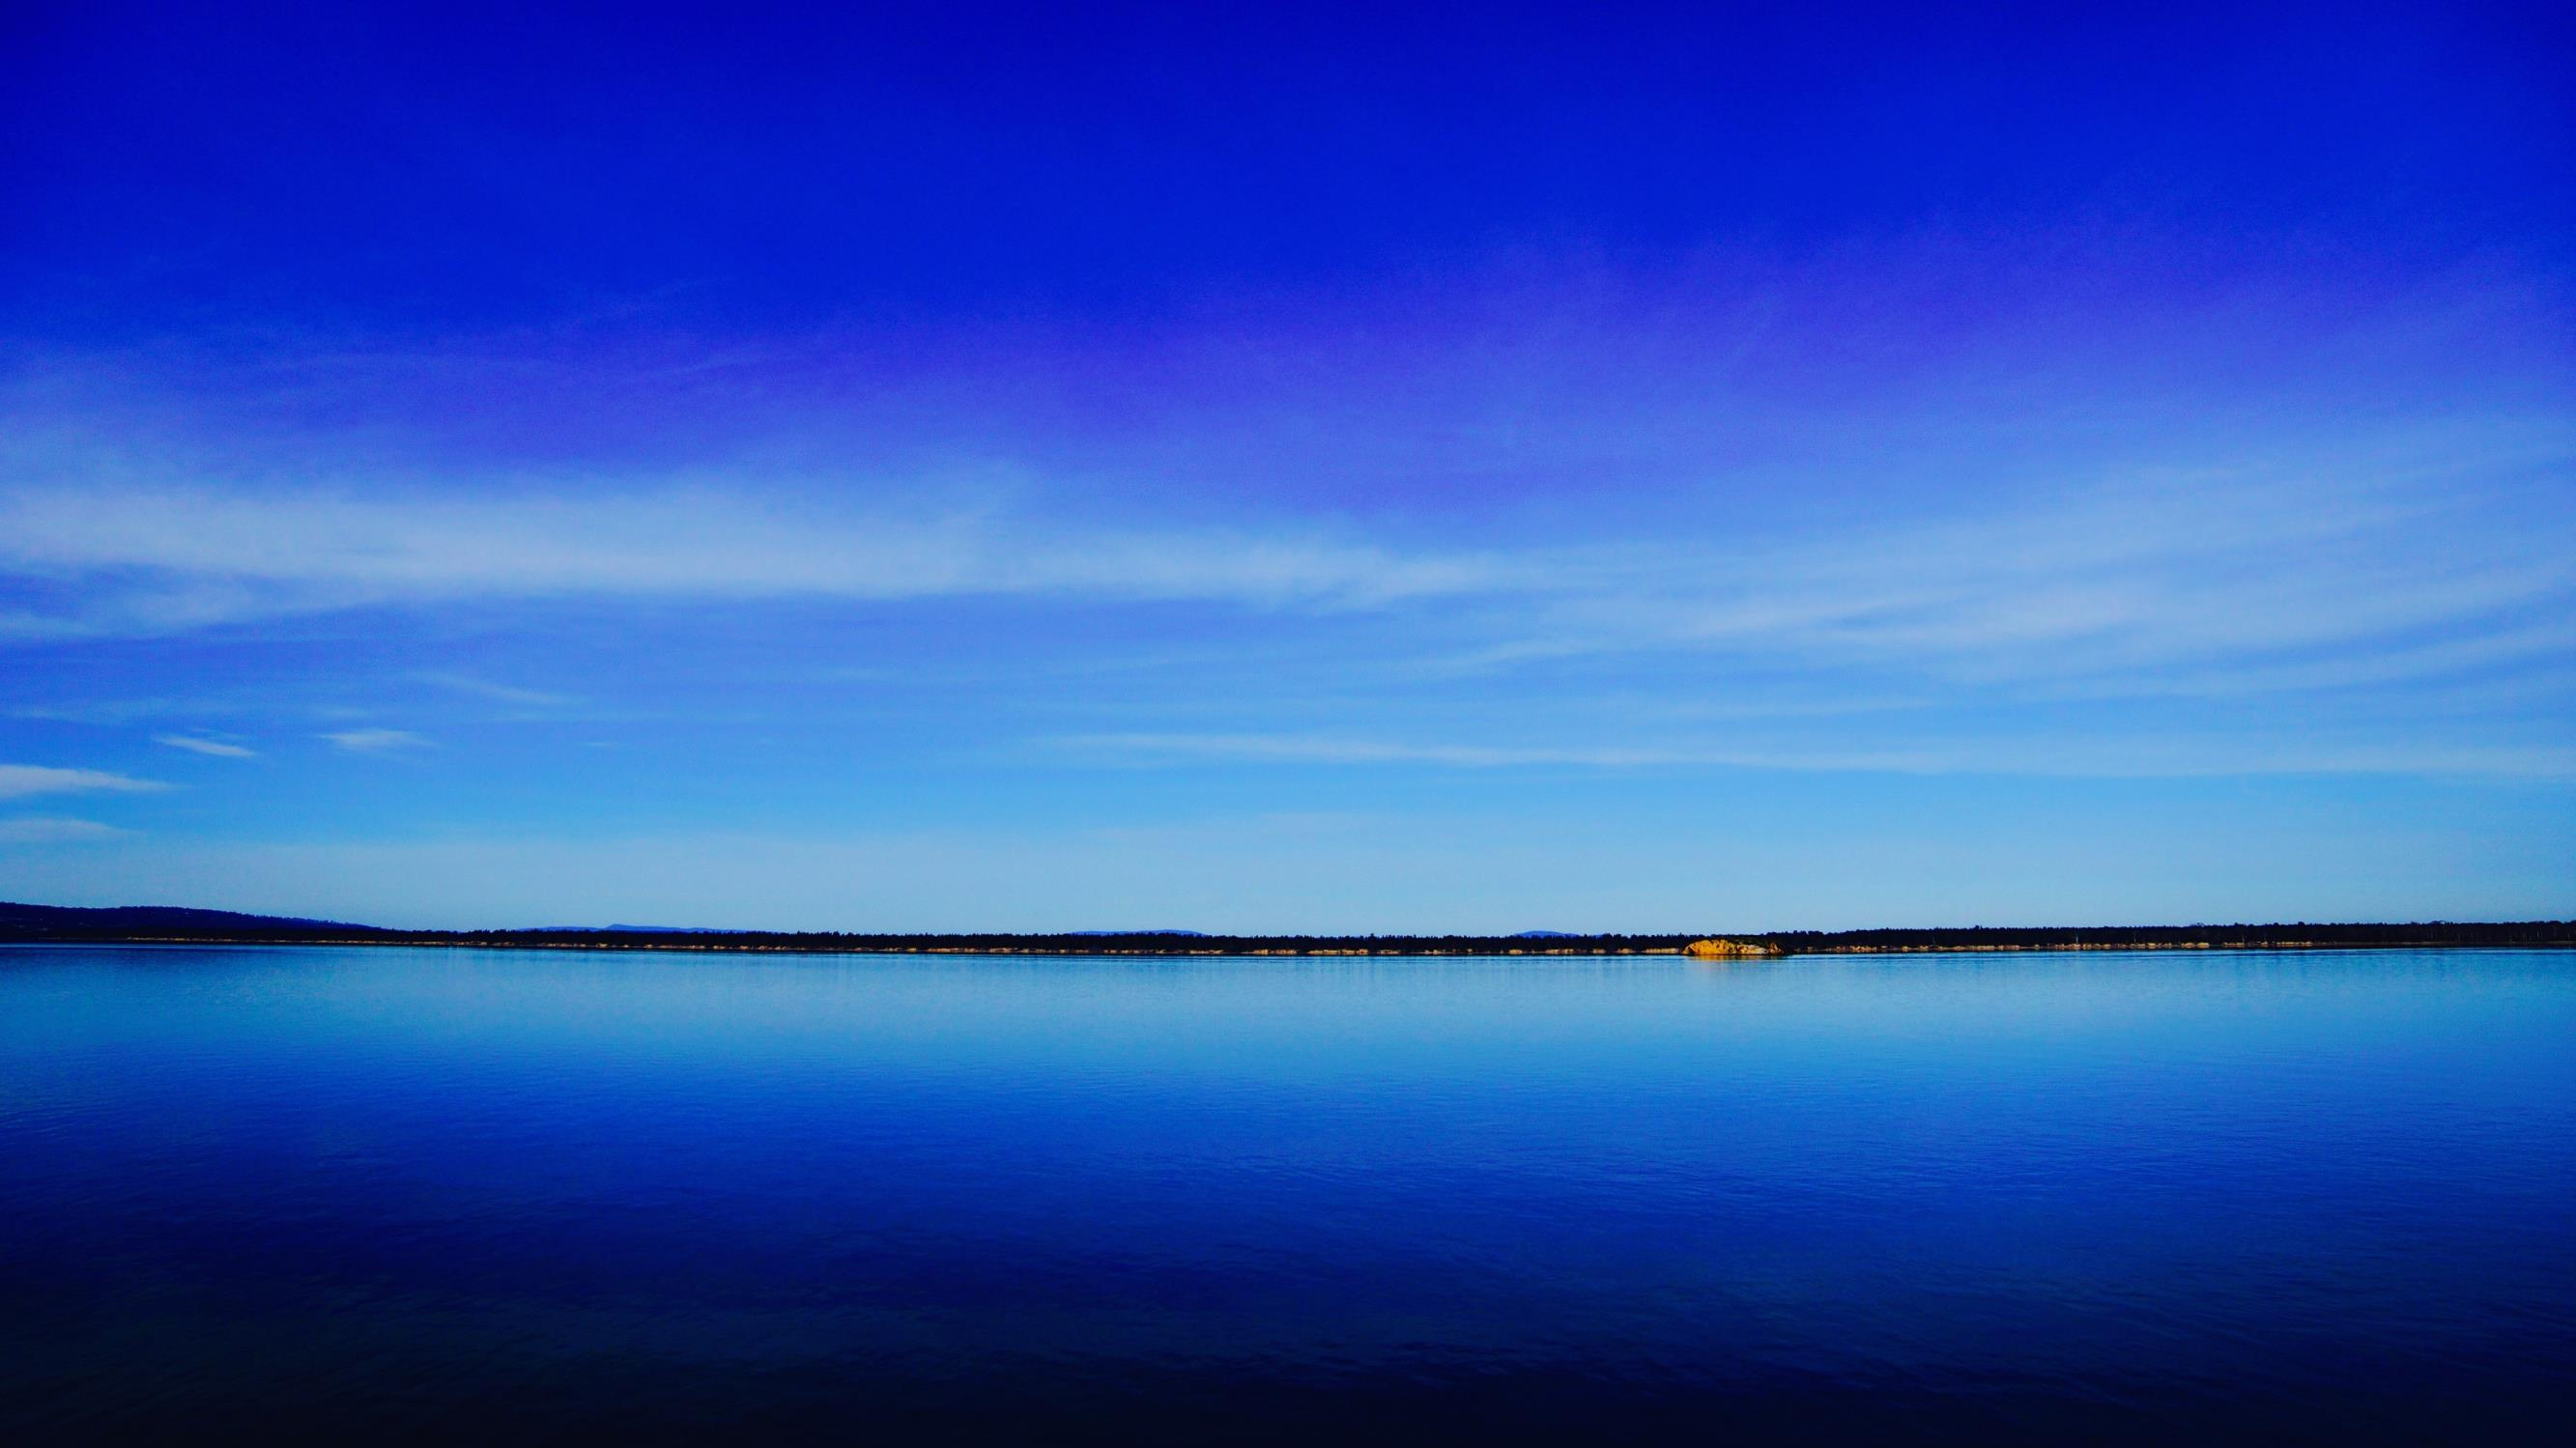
{"points": [[1970, 1198]]}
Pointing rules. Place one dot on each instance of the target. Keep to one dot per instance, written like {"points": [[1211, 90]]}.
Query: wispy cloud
{"points": [[502, 693], [2138, 578], [376, 741], [171, 559], [215, 747], [2015, 591], [2076, 757], [38, 830], [20, 780], [2369, 554], [1333, 749]]}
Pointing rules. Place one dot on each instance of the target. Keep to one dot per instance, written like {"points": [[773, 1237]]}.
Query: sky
{"points": [[1395, 468]]}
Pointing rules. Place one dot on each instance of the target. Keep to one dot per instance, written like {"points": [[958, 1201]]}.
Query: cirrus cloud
{"points": [[19, 780], [214, 747], [41, 831], [159, 559], [376, 741]]}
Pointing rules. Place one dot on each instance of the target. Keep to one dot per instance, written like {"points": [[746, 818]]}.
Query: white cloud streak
{"points": [[2133, 579], [171, 559], [44, 831], [2099, 758], [20, 780], [2370, 570], [376, 741], [499, 693], [2246, 570], [213, 747]]}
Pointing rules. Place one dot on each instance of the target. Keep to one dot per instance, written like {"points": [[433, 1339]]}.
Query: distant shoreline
{"points": [[148, 925], [1383, 952]]}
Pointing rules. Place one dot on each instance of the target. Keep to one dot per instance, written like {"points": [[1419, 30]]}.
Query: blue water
{"points": [[2232, 1197]]}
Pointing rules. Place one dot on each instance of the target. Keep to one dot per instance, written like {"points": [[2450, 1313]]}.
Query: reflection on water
{"points": [[1965, 1197]]}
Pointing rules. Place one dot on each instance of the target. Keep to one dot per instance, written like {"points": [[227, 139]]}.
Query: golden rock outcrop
{"points": [[1722, 949]]}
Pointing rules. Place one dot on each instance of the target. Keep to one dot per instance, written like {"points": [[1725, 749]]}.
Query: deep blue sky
{"points": [[1483, 468]]}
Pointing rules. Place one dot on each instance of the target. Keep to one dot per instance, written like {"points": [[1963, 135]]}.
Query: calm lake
{"points": [[505, 1196]]}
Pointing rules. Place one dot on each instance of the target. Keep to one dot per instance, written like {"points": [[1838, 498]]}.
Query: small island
{"points": [[1722, 949]]}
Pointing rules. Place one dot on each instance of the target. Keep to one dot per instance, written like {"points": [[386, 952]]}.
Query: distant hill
{"points": [[23, 922]]}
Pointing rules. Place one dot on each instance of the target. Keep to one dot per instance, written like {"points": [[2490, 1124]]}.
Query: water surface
{"points": [[2249, 1197]]}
